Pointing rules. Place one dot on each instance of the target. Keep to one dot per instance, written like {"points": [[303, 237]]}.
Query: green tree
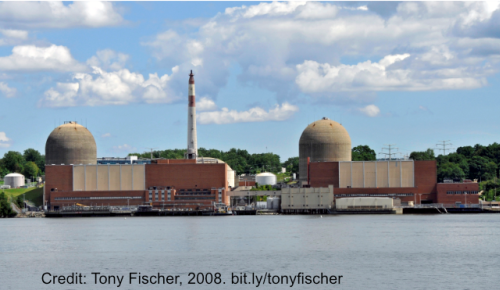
{"points": [[30, 169], [363, 153], [35, 156], [13, 161], [449, 170], [482, 168], [5, 208], [423, 155], [291, 165]]}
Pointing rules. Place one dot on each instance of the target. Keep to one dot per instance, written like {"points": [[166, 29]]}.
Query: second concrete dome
{"points": [[323, 140], [70, 143]]}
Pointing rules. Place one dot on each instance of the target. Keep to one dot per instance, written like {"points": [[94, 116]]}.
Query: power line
{"points": [[444, 144], [390, 149]]}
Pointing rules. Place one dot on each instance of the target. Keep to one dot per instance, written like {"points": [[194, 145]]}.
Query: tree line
{"points": [[244, 162], [468, 162], [30, 163]]}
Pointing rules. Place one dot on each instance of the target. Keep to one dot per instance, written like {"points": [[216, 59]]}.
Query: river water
{"points": [[368, 251]]}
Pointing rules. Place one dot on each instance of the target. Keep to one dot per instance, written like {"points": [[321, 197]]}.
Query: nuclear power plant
{"points": [[322, 141], [327, 174]]}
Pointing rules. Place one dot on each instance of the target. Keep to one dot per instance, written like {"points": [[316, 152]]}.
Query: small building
{"points": [[297, 200]]}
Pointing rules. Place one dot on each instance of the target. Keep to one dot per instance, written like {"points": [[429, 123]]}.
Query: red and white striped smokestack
{"points": [[192, 150]]}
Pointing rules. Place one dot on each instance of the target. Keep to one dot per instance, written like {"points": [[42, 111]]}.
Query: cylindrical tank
{"points": [[265, 178], [15, 180], [323, 140], [276, 202], [70, 143], [270, 202]]}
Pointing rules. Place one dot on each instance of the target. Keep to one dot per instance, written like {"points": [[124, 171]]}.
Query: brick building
{"points": [[166, 183], [407, 180]]}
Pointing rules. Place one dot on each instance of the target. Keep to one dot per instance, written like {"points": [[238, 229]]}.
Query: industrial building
{"points": [[74, 175], [324, 140], [70, 143], [413, 182]]}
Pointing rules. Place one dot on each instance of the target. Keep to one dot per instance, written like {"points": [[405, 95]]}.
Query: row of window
{"points": [[98, 197], [462, 192]]}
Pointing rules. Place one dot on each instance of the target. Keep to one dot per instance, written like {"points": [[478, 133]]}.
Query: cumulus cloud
{"points": [[5, 142], [108, 59], [370, 111], [12, 36], [205, 104], [106, 135], [257, 114], [7, 91], [34, 58], [109, 88], [314, 77], [296, 40], [58, 15]]}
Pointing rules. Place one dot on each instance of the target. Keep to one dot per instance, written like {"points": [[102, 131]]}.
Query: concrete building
{"points": [[70, 143], [324, 140], [296, 200]]}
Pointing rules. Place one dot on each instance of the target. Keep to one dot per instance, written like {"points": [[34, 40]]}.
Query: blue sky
{"points": [[404, 73]]}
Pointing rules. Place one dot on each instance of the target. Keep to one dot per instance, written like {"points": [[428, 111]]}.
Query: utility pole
{"points": [[443, 145], [389, 148], [151, 151]]}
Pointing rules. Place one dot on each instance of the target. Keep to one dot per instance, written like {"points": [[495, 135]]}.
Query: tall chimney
{"points": [[192, 148]]}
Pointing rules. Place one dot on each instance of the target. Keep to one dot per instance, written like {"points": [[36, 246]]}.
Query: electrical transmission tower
{"points": [[443, 145], [151, 151], [390, 149]]}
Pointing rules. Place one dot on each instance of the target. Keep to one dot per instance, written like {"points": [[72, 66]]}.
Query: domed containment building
{"points": [[323, 140], [70, 143]]}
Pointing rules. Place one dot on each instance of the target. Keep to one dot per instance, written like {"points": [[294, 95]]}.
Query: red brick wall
{"points": [[246, 183], [58, 176], [443, 197], [111, 202], [185, 176]]}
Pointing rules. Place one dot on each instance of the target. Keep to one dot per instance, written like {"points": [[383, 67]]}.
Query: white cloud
{"points": [[278, 44], [124, 148], [5, 142], [108, 59], [106, 135], [257, 114], [12, 36], [12, 33], [7, 91], [205, 104], [370, 111], [57, 15], [314, 77], [33, 58], [109, 88]]}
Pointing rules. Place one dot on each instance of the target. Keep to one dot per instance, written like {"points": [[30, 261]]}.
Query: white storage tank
{"points": [[15, 180], [265, 178]]}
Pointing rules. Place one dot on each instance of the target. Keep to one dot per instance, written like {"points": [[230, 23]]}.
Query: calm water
{"points": [[369, 251]]}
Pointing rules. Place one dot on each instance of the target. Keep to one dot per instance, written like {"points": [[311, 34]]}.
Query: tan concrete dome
{"points": [[323, 140], [70, 143]]}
